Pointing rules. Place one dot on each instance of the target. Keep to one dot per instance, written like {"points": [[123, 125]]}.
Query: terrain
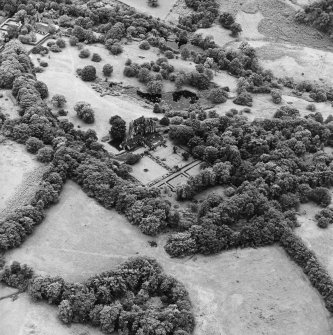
{"points": [[249, 289]]}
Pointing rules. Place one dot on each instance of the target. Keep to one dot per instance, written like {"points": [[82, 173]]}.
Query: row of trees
{"points": [[115, 300]]}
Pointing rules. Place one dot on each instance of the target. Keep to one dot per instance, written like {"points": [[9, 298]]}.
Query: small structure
{"points": [[9, 23], [142, 132], [42, 28]]}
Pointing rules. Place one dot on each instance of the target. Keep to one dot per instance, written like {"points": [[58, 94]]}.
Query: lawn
{"points": [[169, 157], [154, 172], [177, 181]]}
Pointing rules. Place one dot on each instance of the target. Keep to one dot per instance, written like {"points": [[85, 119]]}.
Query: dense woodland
{"points": [[135, 298], [268, 167], [318, 14]]}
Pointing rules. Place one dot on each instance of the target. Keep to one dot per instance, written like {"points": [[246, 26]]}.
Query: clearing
{"points": [[250, 291], [20, 174], [161, 11]]}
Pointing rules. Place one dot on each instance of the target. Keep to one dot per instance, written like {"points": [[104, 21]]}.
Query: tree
{"points": [[185, 53], [45, 155], [117, 32], [85, 112], [42, 88], [235, 28], [58, 101], [226, 19], [154, 86], [88, 73], [118, 129], [244, 99], [181, 134], [33, 144], [165, 121], [218, 95], [107, 70]]}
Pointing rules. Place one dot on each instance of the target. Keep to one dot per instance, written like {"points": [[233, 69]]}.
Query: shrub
{"points": [[236, 28], [61, 43], [324, 217], [169, 54], [130, 71], [88, 73], [144, 45], [84, 112], [116, 49], [55, 48], [39, 69], [107, 70], [276, 96], [85, 53], [153, 3], [165, 121], [132, 158], [96, 57], [33, 144], [185, 53], [45, 155], [73, 41], [58, 100], [244, 99], [44, 64]]}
